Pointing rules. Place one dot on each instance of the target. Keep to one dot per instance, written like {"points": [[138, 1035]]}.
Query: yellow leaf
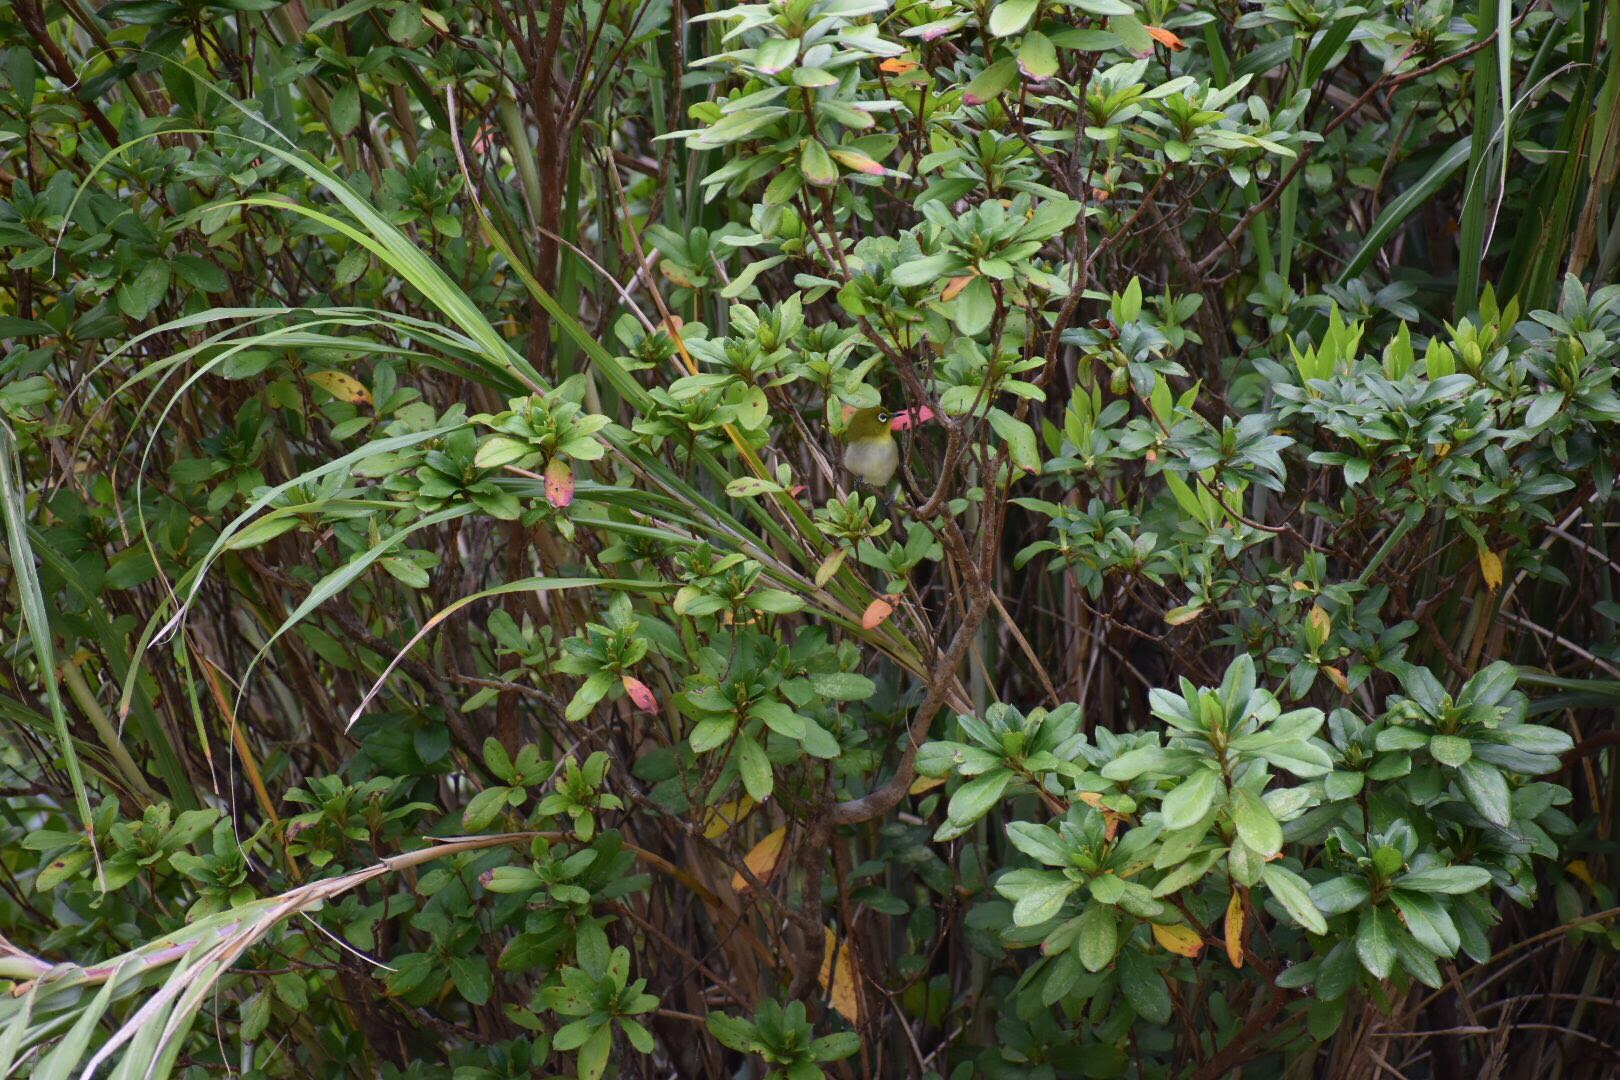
{"points": [[341, 386], [1337, 678], [676, 273], [1490, 568], [1181, 940], [1579, 869], [1182, 615], [763, 859], [829, 567], [719, 820], [1320, 623], [924, 783], [840, 981], [1234, 929]]}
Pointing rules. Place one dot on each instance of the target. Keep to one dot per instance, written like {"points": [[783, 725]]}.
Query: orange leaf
{"points": [[1336, 677], [762, 860], [1181, 940], [1165, 38], [838, 978], [876, 612], [955, 286], [1234, 929], [897, 66], [341, 386], [559, 482]]}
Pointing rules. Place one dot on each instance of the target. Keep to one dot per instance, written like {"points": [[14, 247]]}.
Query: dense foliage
{"points": [[439, 637]]}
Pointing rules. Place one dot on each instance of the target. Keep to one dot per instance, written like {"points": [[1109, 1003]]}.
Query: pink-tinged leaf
{"points": [[909, 417], [851, 158], [640, 695], [876, 613], [559, 483]]}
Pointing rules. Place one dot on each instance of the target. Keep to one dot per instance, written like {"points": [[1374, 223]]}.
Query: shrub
{"points": [[426, 517]]}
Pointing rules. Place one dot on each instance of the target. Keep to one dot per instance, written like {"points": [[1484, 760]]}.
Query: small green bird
{"points": [[870, 452]]}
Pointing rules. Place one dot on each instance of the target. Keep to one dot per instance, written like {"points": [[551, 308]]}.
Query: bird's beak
{"points": [[907, 417]]}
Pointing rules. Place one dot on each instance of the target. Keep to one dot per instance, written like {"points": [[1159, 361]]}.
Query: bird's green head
{"points": [[865, 424]]}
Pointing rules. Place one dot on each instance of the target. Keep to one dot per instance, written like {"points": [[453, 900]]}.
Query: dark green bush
{"points": [[440, 636]]}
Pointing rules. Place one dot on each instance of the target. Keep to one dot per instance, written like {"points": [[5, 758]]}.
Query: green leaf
{"points": [[1037, 56], [754, 768], [345, 109], [1038, 842], [1191, 799], [924, 271], [732, 1032], [1132, 33], [1445, 879], [1098, 938], [1341, 894], [1426, 920], [1011, 16], [484, 808], [1042, 903], [64, 1059], [1489, 686], [1020, 440], [991, 82], [843, 685], [1450, 749], [1254, 821], [143, 292], [593, 1056], [816, 165], [472, 978], [835, 1047], [775, 54], [1303, 759], [974, 307], [1487, 791], [780, 718], [1144, 987], [973, 800], [1134, 763], [1293, 893], [1375, 942]]}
